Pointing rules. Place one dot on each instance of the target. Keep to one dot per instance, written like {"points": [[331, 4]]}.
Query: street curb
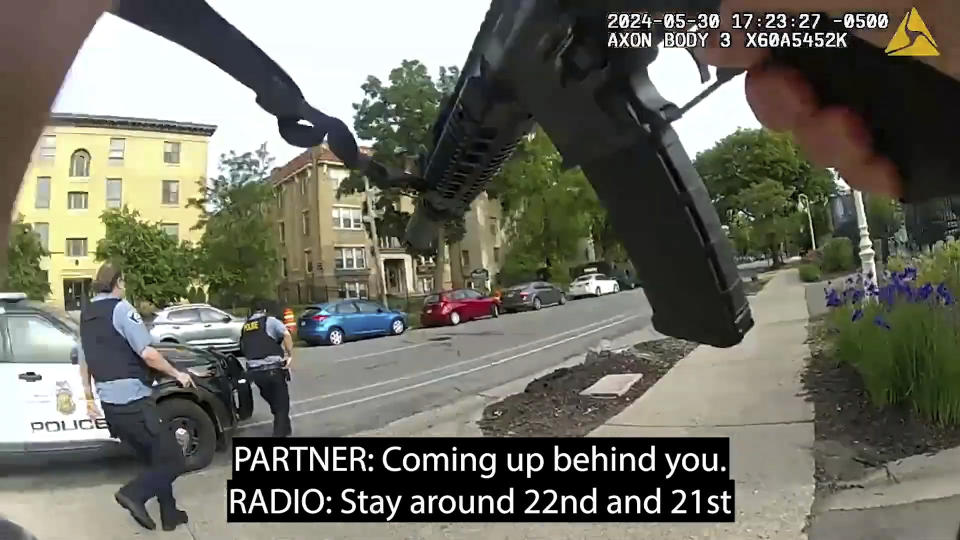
{"points": [[909, 480], [459, 419]]}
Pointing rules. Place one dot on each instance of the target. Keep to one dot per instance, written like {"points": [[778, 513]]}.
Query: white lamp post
{"points": [[805, 202], [866, 245]]}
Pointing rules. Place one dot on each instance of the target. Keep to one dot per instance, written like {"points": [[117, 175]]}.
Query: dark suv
{"points": [[42, 396]]}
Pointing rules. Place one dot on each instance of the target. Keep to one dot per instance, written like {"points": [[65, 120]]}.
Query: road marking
{"points": [[445, 377], [443, 367], [368, 355]]}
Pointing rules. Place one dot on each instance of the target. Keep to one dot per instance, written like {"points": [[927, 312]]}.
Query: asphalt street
{"points": [[363, 385], [367, 384]]}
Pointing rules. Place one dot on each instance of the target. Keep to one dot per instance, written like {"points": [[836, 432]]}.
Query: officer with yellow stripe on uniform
{"points": [[268, 348]]}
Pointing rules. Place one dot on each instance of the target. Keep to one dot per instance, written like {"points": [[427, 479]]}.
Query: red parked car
{"points": [[456, 306]]}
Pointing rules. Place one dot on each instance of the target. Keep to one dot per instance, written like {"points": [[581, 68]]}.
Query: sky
{"points": [[328, 47]]}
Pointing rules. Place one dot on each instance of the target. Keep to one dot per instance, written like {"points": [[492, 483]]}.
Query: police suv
{"points": [[41, 394]]}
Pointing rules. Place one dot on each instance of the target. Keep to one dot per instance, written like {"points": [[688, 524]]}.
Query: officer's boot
{"points": [[170, 515]]}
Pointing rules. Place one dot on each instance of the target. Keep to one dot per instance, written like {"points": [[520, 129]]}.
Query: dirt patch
{"points": [[852, 435], [552, 406]]}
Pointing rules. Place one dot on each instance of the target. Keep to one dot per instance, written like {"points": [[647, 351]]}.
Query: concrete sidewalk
{"points": [[751, 393]]}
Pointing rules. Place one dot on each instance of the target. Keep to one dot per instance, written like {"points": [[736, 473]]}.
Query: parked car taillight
{"points": [[319, 317]]}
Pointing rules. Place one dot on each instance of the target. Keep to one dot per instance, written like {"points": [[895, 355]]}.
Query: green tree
{"points": [[398, 117], [157, 269], [237, 256], [551, 209], [750, 156], [772, 214], [24, 251]]}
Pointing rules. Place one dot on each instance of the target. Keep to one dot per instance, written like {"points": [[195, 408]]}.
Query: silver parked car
{"points": [[199, 325]]}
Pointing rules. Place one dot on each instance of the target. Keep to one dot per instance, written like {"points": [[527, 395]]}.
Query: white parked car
{"points": [[593, 285]]}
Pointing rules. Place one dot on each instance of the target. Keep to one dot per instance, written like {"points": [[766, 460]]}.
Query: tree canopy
{"points": [[550, 209], [157, 268], [755, 178], [398, 116], [24, 251], [237, 255]]}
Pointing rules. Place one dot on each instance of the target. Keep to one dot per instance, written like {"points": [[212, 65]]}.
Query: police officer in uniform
{"points": [[268, 347], [117, 355]]}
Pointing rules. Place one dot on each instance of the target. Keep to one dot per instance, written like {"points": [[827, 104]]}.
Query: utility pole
{"points": [[371, 216]]}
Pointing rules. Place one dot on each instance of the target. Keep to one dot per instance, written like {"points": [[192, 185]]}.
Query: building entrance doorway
{"points": [[76, 292]]}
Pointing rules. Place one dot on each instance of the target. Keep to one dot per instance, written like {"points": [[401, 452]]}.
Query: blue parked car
{"points": [[336, 322]]}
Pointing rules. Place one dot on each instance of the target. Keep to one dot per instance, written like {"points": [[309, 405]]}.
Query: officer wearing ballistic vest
{"points": [[116, 354], [268, 347]]}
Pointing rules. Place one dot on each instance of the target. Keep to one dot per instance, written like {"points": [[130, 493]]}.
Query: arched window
{"points": [[80, 164]]}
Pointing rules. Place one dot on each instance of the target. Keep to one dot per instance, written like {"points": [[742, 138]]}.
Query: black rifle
{"points": [[548, 62]]}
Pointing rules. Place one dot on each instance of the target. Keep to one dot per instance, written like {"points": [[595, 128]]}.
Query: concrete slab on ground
{"points": [[927, 520], [612, 386]]}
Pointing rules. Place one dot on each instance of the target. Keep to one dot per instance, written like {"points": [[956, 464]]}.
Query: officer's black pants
{"points": [[140, 425], [272, 384]]}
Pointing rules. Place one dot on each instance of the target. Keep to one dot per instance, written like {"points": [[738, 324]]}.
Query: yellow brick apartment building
{"points": [[85, 164], [327, 254]]}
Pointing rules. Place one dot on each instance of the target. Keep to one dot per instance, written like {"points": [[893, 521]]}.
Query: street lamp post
{"points": [[866, 245], [805, 201]]}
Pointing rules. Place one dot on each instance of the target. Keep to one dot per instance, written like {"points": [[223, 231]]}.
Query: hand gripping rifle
{"points": [[547, 62]]}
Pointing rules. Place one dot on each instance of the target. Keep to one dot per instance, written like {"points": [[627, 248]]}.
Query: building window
{"points": [[283, 234], [117, 148], [496, 255], [465, 259], [173, 229], [171, 152], [80, 164], [48, 148], [283, 266], [305, 222], [114, 193], [171, 192], [279, 193], [353, 289], [347, 218], [308, 261], [43, 192], [43, 231], [77, 200], [351, 258], [76, 247]]}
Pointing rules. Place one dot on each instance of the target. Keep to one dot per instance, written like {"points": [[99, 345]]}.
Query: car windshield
{"points": [[59, 313], [432, 299], [585, 278]]}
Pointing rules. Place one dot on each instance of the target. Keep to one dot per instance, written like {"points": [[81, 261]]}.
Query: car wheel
{"points": [[335, 337], [537, 304], [616, 287], [598, 291], [563, 299], [494, 310], [194, 430], [398, 327], [454, 318]]}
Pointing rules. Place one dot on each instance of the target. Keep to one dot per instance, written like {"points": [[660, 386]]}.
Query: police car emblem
{"points": [[65, 403]]}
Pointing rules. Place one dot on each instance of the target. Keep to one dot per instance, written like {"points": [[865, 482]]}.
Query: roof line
{"points": [[126, 122]]}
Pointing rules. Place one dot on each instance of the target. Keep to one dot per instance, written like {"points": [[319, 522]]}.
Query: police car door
{"points": [[52, 406]]}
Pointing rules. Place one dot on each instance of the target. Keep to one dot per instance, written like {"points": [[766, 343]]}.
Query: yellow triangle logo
{"points": [[912, 38]]}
